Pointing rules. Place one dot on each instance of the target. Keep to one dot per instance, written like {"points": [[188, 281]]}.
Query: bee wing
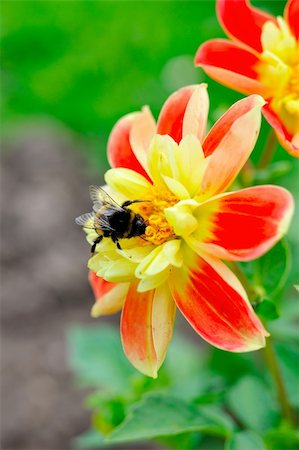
{"points": [[104, 223], [100, 198], [86, 220]]}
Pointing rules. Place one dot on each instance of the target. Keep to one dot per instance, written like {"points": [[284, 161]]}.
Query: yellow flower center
{"points": [[158, 229], [279, 71]]}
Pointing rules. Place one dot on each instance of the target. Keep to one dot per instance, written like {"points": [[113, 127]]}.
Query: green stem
{"points": [[272, 363], [247, 173], [268, 351], [269, 150]]}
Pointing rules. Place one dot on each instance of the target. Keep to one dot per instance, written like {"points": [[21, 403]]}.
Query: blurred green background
{"points": [[87, 63], [70, 70]]}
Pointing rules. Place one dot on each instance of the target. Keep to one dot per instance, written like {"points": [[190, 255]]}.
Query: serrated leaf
{"points": [[161, 415], [251, 401], [245, 440]]}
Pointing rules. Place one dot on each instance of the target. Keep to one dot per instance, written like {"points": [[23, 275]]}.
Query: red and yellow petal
{"points": [[231, 64], [196, 113], [146, 327], [230, 142], [109, 296], [289, 142], [213, 301], [171, 117], [242, 21], [247, 223], [291, 14], [119, 149], [142, 132]]}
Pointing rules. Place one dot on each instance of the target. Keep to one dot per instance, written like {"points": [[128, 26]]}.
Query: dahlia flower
{"points": [[262, 58], [180, 173]]}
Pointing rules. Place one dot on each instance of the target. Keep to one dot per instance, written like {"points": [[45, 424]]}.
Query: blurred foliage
{"points": [[87, 63], [206, 396]]}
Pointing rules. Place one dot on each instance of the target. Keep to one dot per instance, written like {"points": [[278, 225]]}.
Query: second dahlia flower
{"points": [[262, 58], [180, 174]]}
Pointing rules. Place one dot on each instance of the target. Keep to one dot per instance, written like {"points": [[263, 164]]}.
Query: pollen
{"points": [[158, 229]]}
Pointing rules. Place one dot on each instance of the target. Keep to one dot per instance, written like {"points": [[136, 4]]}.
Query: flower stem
{"points": [[268, 351], [247, 173], [269, 150], [272, 363]]}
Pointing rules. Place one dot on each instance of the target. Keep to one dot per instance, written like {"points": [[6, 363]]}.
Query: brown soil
{"points": [[44, 287]]}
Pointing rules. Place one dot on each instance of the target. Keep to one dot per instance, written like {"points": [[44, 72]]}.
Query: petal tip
{"points": [[258, 100], [256, 342], [95, 313], [286, 220]]}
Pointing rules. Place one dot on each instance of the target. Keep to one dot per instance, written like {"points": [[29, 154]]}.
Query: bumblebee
{"points": [[111, 220]]}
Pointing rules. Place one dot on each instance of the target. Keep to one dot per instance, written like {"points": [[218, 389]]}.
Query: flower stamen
{"points": [[158, 229]]}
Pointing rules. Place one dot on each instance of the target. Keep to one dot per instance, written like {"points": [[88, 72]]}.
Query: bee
{"points": [[111, 220]]}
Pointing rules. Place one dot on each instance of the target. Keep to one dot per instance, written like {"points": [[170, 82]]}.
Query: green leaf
{"points": [[184, 361], [285, 437], [190, 441], [97, 358], [161, 415], [288, 356], [269, 273], [245, 440], [88, 440], [108, 415], [286, 328], [231, 366], [267, 309], [251, 401]]}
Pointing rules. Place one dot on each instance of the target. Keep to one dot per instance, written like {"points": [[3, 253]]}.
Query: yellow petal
{"points": [[176, 188], [161, 158], [181, 217], [148, 283], [127, 182], [111, 302], [191, 163], [136, 254], [279, 40], [152, 264], [172, 251], [119, 271], [159, 259]]}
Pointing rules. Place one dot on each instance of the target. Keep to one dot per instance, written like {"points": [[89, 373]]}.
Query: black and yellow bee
{"points": [[111, 220]]}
